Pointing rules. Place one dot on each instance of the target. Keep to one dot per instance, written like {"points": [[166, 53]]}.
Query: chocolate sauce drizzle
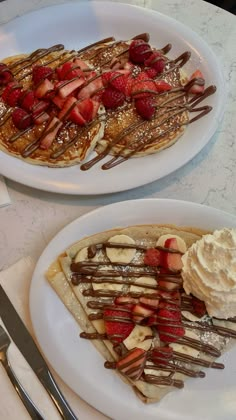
{"points": [[100, 49], [89, 271]]}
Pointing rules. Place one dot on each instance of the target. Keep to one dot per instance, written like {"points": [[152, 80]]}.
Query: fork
{"points": [[28, 403]]}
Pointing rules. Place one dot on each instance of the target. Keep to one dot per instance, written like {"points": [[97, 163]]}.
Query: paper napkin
{"points": [[4, 196], [16, 282]]}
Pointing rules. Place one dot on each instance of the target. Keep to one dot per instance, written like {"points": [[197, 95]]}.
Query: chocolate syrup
{"points": [[99, 51], [88, 272]]}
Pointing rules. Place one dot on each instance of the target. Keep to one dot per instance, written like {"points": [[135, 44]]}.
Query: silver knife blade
{"points": [[25, 343]]}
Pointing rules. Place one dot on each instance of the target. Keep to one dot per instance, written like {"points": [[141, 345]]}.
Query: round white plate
{"points": [[77, 361], [79, 24]]}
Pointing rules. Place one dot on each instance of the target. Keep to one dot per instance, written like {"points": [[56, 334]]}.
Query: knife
{"points": [[25, 343]]}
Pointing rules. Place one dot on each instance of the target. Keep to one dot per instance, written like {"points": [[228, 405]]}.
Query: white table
{"points": [[34, 217]]}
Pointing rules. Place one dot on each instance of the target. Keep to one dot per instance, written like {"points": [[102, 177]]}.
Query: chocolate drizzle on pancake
{"points": [[136, 137]]}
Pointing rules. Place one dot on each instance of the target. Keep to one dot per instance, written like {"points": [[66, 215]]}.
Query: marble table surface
{"points": [[34, 217]]}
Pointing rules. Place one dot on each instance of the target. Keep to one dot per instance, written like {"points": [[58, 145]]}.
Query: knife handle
{"points": [[51, 387], [28, 403]]}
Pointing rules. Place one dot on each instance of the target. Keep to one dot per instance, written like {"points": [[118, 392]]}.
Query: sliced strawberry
{"points": [[143, 88], [70, 86], [12, 93], [169, 313], [126, 300], [150, 303], [44, 88], [69, 71], [162, 86], [39, 107], [50, 133], [140, 312], [76, 116], [162, 355], [152, 320], [67, 108], [132, 364], [199, 86], [172, 297], [94, 84], [71, 111], [41, 118], [21, 119], [85, 108], [81, 64], [168, 284], [152, 257], [96, 105], [171, 333], [171, 260], [199, 307], [40, 73], [171, 243], [118, 323], [58, 101]]}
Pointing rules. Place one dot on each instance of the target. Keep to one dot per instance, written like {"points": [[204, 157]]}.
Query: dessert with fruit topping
{"points": [[111, 100], [130, 291]]}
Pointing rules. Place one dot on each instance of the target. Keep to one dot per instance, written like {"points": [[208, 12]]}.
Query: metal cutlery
{"points": [[25, 343], [28, 403]]}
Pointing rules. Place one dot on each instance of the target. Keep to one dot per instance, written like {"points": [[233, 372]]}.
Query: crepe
{"points": [[76, 298], [118, 131]]}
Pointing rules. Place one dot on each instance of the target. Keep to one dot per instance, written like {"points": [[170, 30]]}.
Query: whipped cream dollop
{"points": [[209, 272]]}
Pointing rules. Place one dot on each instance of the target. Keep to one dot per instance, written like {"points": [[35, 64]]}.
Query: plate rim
{"points": [[52, 185], [62, 233]]}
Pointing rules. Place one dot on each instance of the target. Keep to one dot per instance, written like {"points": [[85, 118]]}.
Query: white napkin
{"points": [[16, 281], [4, 196]]}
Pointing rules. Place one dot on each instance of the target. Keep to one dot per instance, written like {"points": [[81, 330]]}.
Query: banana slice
{"points": [[144, 280], [180, 242], [122, 255], [82, 255], [191, 317], [137, 338], [108, 286], [155, 372], [183, 348]]}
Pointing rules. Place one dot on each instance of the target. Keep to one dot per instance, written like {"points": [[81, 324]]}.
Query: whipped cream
{"points": [[209, 272]]}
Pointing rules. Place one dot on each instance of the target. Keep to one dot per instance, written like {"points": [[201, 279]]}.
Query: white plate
{"points": [[79, 24], [77, 361]]}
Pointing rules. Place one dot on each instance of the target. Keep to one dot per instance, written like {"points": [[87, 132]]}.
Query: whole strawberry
{"points": [[40, 73], [6, 75], [21, 119], [12, 94], [146, 109], [139, 51], [112, 98]]}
